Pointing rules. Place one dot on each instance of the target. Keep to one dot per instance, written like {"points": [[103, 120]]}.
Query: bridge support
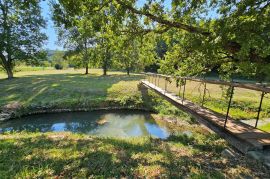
{"points": [[184, 90], [166, 80], [204, 93], [259, 110], [229, 106]]}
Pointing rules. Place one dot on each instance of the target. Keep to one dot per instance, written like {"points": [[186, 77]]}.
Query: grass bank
{"points": [[70, 89], [65, 155]]}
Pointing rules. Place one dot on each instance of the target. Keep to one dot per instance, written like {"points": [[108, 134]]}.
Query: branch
{"points": [[163, 21], [146, 31], [3, 59]]}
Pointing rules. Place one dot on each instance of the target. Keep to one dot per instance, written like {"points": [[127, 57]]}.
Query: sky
{"points": [[50, 31]]}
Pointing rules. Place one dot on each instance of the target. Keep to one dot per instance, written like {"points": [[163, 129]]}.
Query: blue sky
{"points": [[51, 33]]}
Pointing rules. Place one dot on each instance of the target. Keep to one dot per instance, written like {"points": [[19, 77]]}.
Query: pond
{"points": [[101, 123]]}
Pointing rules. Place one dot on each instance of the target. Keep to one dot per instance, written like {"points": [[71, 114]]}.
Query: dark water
{"points": [[115, 123]]}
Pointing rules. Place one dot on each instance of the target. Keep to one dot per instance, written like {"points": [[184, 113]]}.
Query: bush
{"points": [[58, 66]]}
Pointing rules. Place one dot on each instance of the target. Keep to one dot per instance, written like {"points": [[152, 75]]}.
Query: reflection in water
{"points": [[118, 124]]}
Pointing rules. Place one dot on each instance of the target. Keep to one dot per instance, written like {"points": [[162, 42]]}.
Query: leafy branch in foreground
{"points": [[20, 33]]}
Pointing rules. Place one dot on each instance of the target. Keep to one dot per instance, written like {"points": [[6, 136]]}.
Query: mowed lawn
{"points": [[69, 155], [68, 88]]}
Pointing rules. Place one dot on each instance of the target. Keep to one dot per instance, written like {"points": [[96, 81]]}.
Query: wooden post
{"points": [[155, 79], [158, 80], [204, 93], [180, 87], [259, 110], [165, 83], [229, 106], [184, 90]]}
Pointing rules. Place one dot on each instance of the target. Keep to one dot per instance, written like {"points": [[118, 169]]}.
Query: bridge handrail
{"points": [[262, 88]]}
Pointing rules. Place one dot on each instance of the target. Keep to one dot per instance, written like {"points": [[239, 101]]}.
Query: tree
{"points": [[58, 60], [232, 36], [126, 53], [20, 33], [77, 34]]}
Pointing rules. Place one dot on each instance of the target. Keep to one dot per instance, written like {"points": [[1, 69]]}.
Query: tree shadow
{"points": [[85, 156], [59, 88]]}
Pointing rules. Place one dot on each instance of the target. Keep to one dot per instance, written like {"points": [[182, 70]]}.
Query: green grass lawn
{"points": [[66, 155], [69, 89]]}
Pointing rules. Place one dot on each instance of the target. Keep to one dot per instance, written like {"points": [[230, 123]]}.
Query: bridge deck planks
{"points": [[257, 138]]}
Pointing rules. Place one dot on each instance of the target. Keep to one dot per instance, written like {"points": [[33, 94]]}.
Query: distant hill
{"points": [[52, 52]]}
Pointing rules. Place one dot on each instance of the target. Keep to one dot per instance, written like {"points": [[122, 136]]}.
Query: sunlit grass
{"points": [[265, 127], [65, 88], [67, 155]]}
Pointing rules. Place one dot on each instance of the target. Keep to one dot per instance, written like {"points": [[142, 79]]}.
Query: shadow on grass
{"points": [[43, 89], [64, 155], [204, 144]]}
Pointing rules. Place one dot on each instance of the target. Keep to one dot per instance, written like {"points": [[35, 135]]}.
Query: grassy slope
{"points": [[69, 89], [36, 155], [65, 155]]}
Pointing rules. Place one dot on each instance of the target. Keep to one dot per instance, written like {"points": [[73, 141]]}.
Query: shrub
{"points": [[58, 66]]}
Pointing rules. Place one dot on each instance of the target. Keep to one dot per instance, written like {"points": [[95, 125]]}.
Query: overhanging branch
{"points": [[163, 21]]}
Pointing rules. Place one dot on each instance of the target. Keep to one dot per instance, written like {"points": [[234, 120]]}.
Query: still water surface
{"points": [[101, 123]]}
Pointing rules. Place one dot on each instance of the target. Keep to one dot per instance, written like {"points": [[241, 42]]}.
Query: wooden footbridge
{"points": [[242, 136]]}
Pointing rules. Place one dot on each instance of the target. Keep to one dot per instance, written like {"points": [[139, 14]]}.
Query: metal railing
{"points": [[155, 79]]}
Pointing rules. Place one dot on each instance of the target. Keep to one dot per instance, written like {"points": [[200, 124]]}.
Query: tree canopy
{"points": [[181, 37], [20, 33], [231, 36]]}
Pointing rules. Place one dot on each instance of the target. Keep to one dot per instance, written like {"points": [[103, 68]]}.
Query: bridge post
{"points": [[184, 90], [158, 80], [155, 79], [204, 93], [259, 110], [165, 84], [229, 106], [180, 87]]}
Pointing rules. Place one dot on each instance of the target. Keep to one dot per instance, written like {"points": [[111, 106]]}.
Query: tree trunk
{"points": [[9, 72], [86, 69], [128, 71], [105, 69], [7, 65]]}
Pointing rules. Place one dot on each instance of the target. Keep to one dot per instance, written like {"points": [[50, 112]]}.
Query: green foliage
{"points": [[58, 60], [20, 32], [196, 36]]}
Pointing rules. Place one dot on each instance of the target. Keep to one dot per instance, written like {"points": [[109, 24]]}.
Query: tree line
{"points": [[177, 37]]}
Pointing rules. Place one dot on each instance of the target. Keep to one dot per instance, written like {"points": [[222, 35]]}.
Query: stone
{"points": [[102, 122], [228, 153], [5, 116], [12, 106]]}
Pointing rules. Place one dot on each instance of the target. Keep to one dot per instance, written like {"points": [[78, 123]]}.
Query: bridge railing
{"points": [[184, 88]]}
